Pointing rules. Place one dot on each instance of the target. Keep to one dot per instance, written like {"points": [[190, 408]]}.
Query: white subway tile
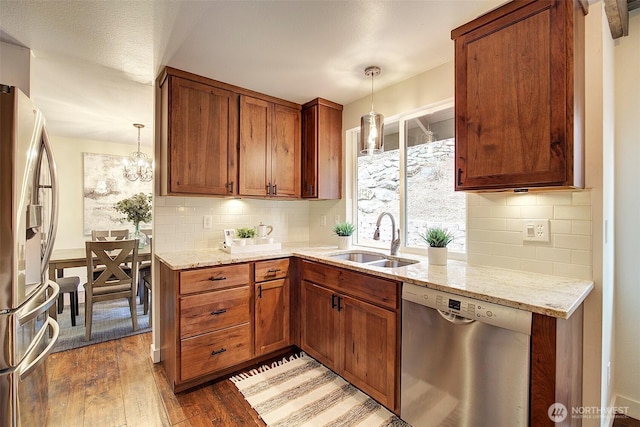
{"points": [[581, 257], [536, 266], [553, 254], [581, 227], [521, 199], [486, 199], [582, 197], [174, 201], [572, 242], [515, 251], [514, 225], [554, 198], [494, 261], [572, 212], [508, 237], [487, 223], [572, 270], [560, 226], [533, 212], [506, 211], [479, 235], [478, 211]]}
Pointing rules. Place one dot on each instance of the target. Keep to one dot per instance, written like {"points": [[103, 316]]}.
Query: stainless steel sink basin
{"points": [[361, 257], [392, 263]]}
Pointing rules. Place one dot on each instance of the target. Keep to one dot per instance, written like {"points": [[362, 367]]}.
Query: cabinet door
{"points": [[514, 94], [203, 136], [285, 152], [272, 316], [319, 324], [369, 348], [255, 140]]}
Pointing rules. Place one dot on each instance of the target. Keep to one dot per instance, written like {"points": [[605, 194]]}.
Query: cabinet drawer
{"points": [[367, 288], [209, 279], [214, 310], [269, 270], [208, 353]]}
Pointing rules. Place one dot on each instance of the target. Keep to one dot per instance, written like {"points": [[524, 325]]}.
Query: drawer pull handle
{"points": [[221, 311], [273, 270], [259, 291], [215, 352], [216, 279]]}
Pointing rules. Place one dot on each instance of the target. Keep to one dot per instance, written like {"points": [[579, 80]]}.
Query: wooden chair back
{"points": [[107, 260], [106, 235]]}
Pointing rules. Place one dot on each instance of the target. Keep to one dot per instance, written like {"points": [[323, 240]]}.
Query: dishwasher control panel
{"points": [[470, 308]]}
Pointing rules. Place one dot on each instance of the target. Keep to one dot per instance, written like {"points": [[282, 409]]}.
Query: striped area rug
{"points": [[300, 391]]}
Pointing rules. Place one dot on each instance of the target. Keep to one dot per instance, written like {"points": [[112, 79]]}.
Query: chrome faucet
{"points": [[395, 241]]}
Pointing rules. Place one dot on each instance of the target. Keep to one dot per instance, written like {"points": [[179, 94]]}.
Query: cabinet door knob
{"points": [[216, 352], [217, 312], [217, 279], [268, 189], [230, 187], [340, 307], [333, 301], [275, 189]]}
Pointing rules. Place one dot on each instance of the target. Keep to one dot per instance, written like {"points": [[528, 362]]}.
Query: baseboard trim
{"points": [[154, 353], [633, 406]]}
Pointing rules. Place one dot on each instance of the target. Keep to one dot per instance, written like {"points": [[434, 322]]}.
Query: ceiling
{"points": [[94, 63]]}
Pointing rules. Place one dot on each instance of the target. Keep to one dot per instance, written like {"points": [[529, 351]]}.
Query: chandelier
{"points": [[138, 166], [372, 124]]}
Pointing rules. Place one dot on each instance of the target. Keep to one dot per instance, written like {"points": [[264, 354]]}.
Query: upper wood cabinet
{"points": [[321, 150], [197, 130], [269, 163], [519, 97]]}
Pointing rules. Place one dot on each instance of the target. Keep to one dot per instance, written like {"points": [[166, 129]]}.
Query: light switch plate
{"points": [[207, 221], [535, 230]]}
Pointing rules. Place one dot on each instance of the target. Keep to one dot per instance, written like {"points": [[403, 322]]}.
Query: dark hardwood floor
{"points": [[115, 384]]}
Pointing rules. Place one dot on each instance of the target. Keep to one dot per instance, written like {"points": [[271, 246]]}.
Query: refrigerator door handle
{"points": [[34, 360], [53, 228], [31, 310]]}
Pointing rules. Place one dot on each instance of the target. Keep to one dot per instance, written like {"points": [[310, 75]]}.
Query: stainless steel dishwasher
{"points": [[465, 362]]}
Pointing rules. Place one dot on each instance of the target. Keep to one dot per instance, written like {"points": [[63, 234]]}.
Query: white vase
{"points": [[344, 242], [437, 256]]}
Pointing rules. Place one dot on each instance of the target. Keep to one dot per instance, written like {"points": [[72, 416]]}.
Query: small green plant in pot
{"points": [[243, 234], [437, 238], [344, 230]]}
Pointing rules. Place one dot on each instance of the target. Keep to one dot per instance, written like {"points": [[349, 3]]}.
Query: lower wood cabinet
{"points": [[272, 307], [356, 336]]}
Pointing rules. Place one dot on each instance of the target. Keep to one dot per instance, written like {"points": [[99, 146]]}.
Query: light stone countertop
{"points": [[543, 294]]}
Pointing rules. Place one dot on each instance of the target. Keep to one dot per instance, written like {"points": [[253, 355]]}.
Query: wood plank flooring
{"points": [[115, 384]]}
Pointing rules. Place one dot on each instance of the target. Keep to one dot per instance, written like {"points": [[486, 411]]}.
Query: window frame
{"points": [[352, 177]]}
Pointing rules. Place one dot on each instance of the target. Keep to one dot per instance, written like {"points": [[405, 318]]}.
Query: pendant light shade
{"points": [[138, 166], [372, 124]]}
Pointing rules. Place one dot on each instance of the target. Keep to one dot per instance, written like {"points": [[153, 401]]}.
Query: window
{"points": [[412, 180]]}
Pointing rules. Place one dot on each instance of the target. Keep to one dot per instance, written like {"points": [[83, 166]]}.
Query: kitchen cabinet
{"points": [[269, 162], [272, 306], [519, 97], [321, 150], [350, 323], [205, 322], [197, 130]]}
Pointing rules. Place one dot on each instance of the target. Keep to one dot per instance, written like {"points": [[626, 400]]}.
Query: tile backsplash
{"points": [[179, 221], [495, 232]]}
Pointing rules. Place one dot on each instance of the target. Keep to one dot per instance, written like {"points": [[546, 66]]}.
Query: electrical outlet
{"points": [[535, 230], [323, 221], [207, 221]]}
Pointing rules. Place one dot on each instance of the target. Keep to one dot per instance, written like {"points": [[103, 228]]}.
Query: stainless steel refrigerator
{"points": [[28, 222]]}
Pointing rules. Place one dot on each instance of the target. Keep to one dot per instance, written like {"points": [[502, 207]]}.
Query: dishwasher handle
{"points": [[454, 318]]}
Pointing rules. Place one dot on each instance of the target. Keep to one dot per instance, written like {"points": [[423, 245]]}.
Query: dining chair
{"points": [[69, 285], [144, 268], [105, 235], [114, 281]]}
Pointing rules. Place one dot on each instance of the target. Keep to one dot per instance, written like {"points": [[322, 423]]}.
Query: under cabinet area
{"points": [[519, 97], [350, 322]]}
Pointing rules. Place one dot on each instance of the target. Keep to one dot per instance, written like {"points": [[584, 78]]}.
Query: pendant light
{"points": [[138, 166], [372, 124]]}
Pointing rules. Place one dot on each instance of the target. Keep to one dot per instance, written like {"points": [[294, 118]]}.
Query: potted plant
{"points": [[138, 209], [344, 230], [437, 238], [243, 234]]}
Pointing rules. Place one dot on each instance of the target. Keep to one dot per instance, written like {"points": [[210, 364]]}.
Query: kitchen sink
{"points": [[392, 263], [361, 257]]}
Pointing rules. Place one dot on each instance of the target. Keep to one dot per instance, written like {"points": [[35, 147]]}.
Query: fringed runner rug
{"points": [[300, 391]]}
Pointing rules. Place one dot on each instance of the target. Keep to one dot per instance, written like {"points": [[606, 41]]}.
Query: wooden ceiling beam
{"points": [[618, 16]]}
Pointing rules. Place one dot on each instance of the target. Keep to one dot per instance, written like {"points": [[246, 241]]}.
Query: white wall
{"points": [[627, 232]]}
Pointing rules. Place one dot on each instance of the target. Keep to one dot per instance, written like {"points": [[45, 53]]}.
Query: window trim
{"points": [[351, 177]]}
